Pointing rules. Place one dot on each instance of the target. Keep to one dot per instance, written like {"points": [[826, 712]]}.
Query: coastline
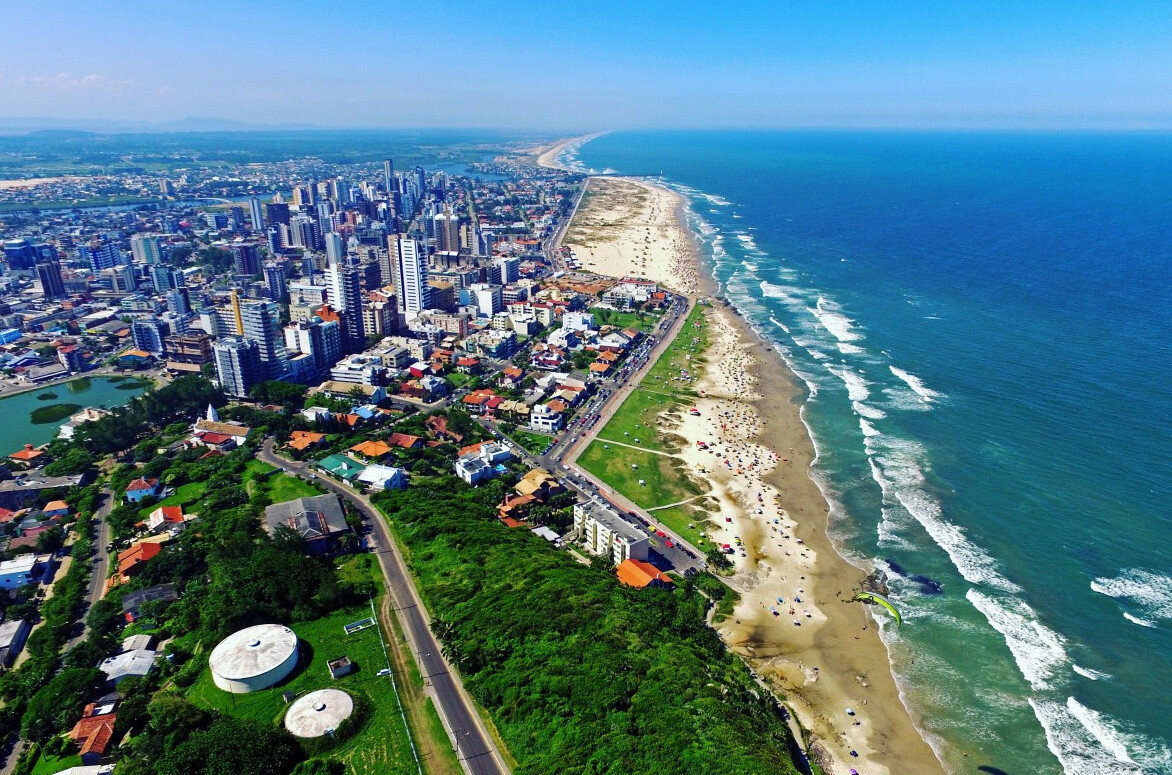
{"points": [[827, 655]]}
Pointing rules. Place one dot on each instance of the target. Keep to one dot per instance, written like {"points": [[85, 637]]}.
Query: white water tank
{"points": [[254, 658]]}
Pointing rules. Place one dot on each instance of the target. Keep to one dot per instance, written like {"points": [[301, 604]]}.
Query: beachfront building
{"points": [[605, 532]]}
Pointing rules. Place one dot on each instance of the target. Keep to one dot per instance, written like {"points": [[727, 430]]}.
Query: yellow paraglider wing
{"points": [[871, 597]]}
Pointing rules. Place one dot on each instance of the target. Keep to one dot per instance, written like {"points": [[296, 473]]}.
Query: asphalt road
{"points": [[473, 745], [101, 564]]}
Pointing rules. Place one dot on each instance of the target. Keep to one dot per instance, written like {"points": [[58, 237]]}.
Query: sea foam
{"points": [[1038, 651], [1149, 593], [1078, 747], [916, 384], [839, 325]]}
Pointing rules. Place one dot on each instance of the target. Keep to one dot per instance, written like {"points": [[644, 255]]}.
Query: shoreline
{"points": [[830, 657]]}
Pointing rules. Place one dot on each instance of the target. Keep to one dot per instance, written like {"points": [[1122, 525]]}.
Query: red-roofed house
{"points": [[639, 574], [165, 518], [404, 440], [130, 561], [93, 732], [27, 456], [143, 488], [57, 509]]}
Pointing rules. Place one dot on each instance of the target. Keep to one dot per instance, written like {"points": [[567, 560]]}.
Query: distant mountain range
{"points": [[25, 125]]}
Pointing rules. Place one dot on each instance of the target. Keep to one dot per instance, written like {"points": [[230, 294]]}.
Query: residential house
{"points": [[22, 570], [547, 417], [372, 450], [132, 602], [57, 508], [539, 483], [300, 441], [141, 489], [341, 466], [404, 441], [132, 560], [27, 457], [320, 520], [380, 477], [170, 518], [129, 664], [94, 731]]}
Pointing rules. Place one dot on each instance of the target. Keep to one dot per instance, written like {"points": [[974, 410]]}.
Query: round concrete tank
{"points": [[254, 658], [318, 712]]}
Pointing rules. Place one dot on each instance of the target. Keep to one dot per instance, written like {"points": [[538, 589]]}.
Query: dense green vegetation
{"points": [[182, 399], [580, 674], [44, 415]]}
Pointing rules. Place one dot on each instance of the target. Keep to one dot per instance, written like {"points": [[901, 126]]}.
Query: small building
{"points": [[372, 450], [57, 508], [300, 441], [380, 477], [167, 518], [320, 520], [93, 732], [141, 489], [132, 560], [132, 602], [140, 642], [21, 571], [128, 664], [640, 574], [29, 456], [341, 466], [13, 634], [339, 667]]}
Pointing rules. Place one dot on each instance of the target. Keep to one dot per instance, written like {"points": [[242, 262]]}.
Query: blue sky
{"points": [[593, 65]]}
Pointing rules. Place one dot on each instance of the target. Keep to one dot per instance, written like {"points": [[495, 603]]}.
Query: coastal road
{"points": [[474, 747]]}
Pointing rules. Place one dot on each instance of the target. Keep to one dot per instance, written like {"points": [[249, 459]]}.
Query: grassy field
{"points": [[533, 443], [639, 418], [47, 765], [283, 487], [604, 316], [381, 745], [667, 386], [184, 496], [663, 481]]}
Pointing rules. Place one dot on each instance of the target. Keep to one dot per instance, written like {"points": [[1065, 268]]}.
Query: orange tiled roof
{"points": [[137, 555], [639, 574], [404, 440], [374, 449]]}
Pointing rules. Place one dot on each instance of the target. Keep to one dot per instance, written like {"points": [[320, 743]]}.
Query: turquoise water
{"points": [[17, 427], [982, 324]]}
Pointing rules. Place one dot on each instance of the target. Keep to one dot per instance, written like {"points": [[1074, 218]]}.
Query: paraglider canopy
{"points": [[871, 597]]}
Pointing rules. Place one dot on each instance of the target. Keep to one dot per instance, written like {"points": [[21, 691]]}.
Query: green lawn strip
{"points": [[185, 496], [435, 728], [684, 353], [619, 319], [47, 765], [381, 746], [533, 443], [639, 417], [283, 487], [664, 480], [677, 519]]}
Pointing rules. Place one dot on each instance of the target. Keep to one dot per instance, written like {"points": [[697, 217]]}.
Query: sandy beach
{"points": [[627, 227], [796, 623]]}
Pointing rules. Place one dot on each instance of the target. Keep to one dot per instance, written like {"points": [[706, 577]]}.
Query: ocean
{"points": [[982, 322]]}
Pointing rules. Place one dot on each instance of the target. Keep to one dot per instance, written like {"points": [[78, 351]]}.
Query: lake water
{"points": [[17, 424]]}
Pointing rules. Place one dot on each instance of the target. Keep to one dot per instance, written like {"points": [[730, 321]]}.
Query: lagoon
{"points": [[34, 417]]}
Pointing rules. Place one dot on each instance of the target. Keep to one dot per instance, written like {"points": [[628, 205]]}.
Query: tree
{"points": [[232, 746], [275, 391], [57, 705]]}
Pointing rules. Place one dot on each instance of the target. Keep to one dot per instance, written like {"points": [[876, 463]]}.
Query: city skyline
{"points": [[605, 66]]}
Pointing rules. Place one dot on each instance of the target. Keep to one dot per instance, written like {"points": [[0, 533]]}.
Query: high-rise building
{"points": [[144, 249], [254, 213], [276, 280], [388, 175], [509, 268], [49, 273], [447, 230], [261, 323], [345, 296], [149, 333], [246, 256], [411, 279], [164, 277], [335, 248], [101, 255], [178, 303], [277, 212], [318, 338], [238, 366]]}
